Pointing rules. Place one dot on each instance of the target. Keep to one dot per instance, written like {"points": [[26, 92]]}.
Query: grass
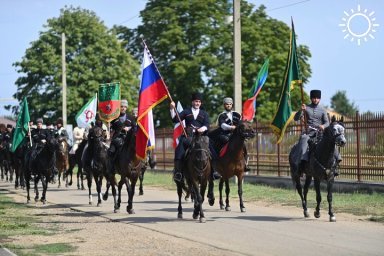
{"points": [[17, 220], [370, 206]]}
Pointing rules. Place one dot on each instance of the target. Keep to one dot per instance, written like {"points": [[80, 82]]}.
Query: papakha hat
{"points": [[228, 100], [315, 94], [196, 96], [124, 103]]}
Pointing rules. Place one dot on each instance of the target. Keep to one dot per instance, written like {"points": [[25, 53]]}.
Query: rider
{"points": [[61, 132], [120, 127], [317, 120], [195, 119], [228, 121], [39, 138]]}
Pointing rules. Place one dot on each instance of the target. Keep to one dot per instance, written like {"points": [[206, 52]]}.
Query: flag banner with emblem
{"points": [[87, 114], [284, 113], [22, 124], [152, 92], [249, 106], [178, 128], [109, 101]]}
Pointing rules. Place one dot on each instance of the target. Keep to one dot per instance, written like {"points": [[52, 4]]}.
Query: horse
{"points": [[95, 161], [321, 166], [231, 162], [130, 168], [41, 167], [62, 160], [196, 169], [152, 163], [17, 165], [6, 161], [75, 159]]}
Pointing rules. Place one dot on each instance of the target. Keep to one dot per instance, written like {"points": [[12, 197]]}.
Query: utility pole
{"points": [[64, 80], [237, 56]]}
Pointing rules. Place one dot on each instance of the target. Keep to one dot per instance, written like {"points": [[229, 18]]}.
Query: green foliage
{"points": [[93, 56], [341, 104], [192, 44]]}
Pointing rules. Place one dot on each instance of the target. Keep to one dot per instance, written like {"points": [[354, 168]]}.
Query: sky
{"points": [[325, 26]]}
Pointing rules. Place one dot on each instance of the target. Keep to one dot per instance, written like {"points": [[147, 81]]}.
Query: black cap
{"points": [[196, 96], [315, 94], [9, 126]]}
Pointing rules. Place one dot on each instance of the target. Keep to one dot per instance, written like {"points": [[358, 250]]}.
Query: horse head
{"points": [[245, 130], [337, 131], [199, 152]]}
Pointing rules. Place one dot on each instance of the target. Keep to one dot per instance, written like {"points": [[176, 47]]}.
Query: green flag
{"points": [[21, 125], [109, 101], [292, 77]]}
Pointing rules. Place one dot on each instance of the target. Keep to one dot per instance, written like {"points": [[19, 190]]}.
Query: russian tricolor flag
{"points": [[178, 128], [152, 92]]}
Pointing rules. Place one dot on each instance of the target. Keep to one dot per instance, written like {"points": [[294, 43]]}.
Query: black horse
{"points": [[17, 165], [196, 168], [232, 163], [6, 161], [321, 166], [41, 167], [75, 159], [95, 161]]}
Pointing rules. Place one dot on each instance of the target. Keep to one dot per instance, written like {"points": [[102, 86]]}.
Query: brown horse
{"points": [[232, 163], [75, 159], [196, 169], [62, 160]]}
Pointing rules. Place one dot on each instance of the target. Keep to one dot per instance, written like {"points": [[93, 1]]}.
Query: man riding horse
{"points": [[228, 120], [120, 127], [195, 119], [316, 121]]}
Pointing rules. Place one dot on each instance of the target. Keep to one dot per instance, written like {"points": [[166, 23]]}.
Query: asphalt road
{"points": [[262, 230]]}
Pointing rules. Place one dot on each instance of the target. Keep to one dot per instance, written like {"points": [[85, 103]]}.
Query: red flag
{"points": [[152, 92], [178, 129]]}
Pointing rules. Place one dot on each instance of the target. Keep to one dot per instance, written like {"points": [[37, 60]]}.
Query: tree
{"points": [[341, 104], [192, 44], [93, 56]]}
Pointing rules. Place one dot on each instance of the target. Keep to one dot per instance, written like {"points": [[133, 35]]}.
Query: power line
{"points": [[288, 5]]}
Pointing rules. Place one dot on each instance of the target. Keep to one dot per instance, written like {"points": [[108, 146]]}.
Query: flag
{"points": [[87, 114], [284, 113], [21, 125], [249, 106], [152, 92], [109, 101], [178, 128]]}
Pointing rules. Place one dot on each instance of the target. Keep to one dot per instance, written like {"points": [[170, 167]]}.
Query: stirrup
{"points": [[216, 175], [178, 176]]}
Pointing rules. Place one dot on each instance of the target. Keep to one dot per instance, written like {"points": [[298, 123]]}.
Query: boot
{"points": [[177, 171], [214, 174]]}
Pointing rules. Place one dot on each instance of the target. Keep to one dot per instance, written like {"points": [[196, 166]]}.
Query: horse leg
{"points": [[28, 185], [141, 178], [200, 199], [119, 187], [59, 178], [36, 180], [130, 209], [113, 184], [196, 204], [99, 184], [332, 217], [240, 193], [44, 182], [106, 194], [179, 187], [89, 183], [227, 190], [211, 195], [221, 183], [318, 197], [308, 180]]}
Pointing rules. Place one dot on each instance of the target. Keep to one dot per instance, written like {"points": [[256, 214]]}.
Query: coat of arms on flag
{"points": [[109, 101]]}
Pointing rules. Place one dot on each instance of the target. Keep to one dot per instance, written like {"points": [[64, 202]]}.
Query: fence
{"points": [[363, 155]]}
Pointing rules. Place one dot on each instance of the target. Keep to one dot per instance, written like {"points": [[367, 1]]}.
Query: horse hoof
{"points": [[332, 218], [194, 216], [115, 210], [317, 215], [28, 201], [306, 214], [141, 193], [221, 207], [187, 199], [82, 188], [211, 202], [243, 209], [70, 184], [202, 220], [131, 211], [179, 215], [105, 197], [228, 208], [90, 203]]}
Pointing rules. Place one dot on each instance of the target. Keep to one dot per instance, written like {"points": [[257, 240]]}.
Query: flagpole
{"points": [[166, 87], [30, 135]]}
